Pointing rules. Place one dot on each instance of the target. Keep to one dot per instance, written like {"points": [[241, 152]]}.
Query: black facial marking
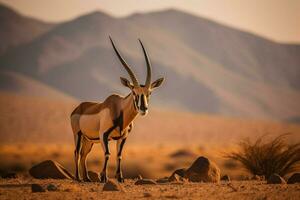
{"points": [[137, 100], [142, 103]]}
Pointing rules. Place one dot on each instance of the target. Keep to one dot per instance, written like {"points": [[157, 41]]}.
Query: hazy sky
{"points": [[276, 19]]}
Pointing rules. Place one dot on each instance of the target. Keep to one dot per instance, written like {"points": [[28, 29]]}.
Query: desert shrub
{"points": [[230, 164], [264, 157]]}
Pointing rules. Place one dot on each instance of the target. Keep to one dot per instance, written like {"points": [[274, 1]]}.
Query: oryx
{"points": [[110, 120]]}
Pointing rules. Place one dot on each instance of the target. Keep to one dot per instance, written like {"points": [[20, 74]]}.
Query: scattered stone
{"points": [[258, 178], [147, 194], [112, 185], [52, 187], [174, 178], [225, 178], [163, 180], [295, 178], [232, 187], [244, 178], [37, 188], [50, 169], [275, 179], [145, 182], [203, 170], [93, 176], [8, 175], [180, 172]]}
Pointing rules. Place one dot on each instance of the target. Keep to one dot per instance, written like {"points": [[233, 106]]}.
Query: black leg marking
{"points": [[119, 174], [121, 147], [76, 154], [78, 141], [118, 122], [103, 175]]}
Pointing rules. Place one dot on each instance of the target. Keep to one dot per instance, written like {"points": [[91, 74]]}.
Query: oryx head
{"points": [[141, 93]]}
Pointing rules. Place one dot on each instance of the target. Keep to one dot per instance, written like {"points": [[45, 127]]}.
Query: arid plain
{"points": [[174, 141]]}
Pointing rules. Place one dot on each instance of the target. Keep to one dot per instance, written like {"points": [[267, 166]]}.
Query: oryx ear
{"points": [[126, 82], [157, 83]]}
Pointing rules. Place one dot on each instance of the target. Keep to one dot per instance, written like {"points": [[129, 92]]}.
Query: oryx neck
{"points": [[130, 112]]}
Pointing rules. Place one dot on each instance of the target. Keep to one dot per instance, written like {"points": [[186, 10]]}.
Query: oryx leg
{"points": [[103, 174], [86, 147], [78, 138], [120, 145]]}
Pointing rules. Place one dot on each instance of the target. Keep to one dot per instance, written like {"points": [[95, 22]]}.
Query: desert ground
{"points": [[41, 131], [258, 190]]}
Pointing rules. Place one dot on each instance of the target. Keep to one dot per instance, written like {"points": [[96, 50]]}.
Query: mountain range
{"points": [[208, 67]]}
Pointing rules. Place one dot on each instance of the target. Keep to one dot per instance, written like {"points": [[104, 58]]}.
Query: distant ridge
{"points": [[209, 67], [17, 29]]}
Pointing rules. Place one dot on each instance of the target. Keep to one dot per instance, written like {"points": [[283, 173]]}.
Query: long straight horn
{"points": [[148, 79], [126, 66]]}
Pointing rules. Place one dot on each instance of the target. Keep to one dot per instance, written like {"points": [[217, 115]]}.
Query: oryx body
{"points": [[110, 120]]}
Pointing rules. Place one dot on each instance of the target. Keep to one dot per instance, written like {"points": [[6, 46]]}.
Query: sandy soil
{"points": [[137, 159], [29, 136], [20, 188]]}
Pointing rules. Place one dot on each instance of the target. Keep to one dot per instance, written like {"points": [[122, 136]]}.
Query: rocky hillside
{"points": [[209, 67]]}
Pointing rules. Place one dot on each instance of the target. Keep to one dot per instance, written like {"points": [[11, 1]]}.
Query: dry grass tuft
{"points": [[267, 157]]}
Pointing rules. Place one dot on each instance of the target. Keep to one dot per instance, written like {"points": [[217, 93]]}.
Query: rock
{"points": [[225, 178], [52, 187], [275, 179], [295, 178], [258, 178], [244, 178], [180, 172], [174, 178], [162, 180], [37, 188], [112, 185], [203, 170], [145, 182], [9, 175], [50, 169], [93, 176], [140, 177]]}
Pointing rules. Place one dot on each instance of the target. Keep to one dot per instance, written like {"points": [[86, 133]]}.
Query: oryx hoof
{"points": [[78, 179], [120, 178], [103, 178], [87, 179]]}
